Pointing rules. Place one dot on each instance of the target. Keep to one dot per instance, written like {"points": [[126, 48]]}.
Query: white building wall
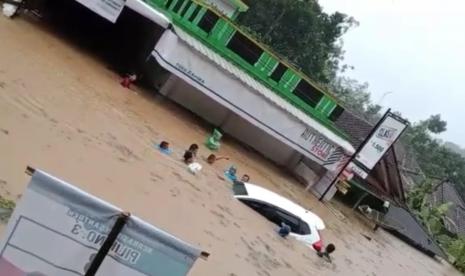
{"points": [[223, 6], [184, 94]]}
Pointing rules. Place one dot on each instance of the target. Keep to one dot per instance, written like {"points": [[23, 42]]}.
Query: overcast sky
{"points": [[414, 49]]}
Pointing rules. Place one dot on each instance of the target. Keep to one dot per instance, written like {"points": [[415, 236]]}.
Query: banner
{"points": [[108, 9], [57, 229], [357, 170]]}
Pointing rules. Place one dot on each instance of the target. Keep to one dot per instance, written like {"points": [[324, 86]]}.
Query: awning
{"points": [[111, 10], [148, 12], [218, 78]]}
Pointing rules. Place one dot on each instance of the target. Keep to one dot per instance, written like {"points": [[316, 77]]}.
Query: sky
{"points": [[412, 53]]}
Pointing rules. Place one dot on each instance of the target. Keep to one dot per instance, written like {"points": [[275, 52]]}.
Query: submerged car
{"points": [[305, 225]]}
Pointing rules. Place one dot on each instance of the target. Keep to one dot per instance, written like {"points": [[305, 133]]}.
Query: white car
{"points": [[305, 225]]}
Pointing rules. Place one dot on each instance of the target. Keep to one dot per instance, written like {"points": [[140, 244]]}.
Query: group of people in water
{"points": [[190, 156]]}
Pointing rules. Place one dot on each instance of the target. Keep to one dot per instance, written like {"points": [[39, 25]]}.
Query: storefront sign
{"points": [[317, 144]]}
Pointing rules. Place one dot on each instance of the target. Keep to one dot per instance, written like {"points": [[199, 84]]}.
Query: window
{"points": [[208, 21], [186, 7], [245, 48], [278, 72], [336, 113], [194, 13], [278, 216], [307, 93], [304, 229], [257, 206], [168, 3], [290, 220], [178, 5], [239, 188]]}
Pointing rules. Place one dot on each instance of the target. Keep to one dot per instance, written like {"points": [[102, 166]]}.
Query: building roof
{"points": [[455, 221], [412, 231], [264, 91], [409, 168], [356, 128]]}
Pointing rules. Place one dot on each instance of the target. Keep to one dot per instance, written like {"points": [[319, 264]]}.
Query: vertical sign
{"points": [[379, 142], [382, 137], [57, 230]]}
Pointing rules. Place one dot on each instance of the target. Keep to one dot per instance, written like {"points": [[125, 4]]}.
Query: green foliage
{"points": [[455, 247], [301, 32], [6, 209], [432, 218], [435, 159], [436, 124]]}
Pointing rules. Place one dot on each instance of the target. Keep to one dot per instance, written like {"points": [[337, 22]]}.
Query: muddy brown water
{"points": [[62, 111]]}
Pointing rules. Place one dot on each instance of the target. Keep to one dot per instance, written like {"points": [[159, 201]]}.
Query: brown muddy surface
{"points": [[62, 111]]}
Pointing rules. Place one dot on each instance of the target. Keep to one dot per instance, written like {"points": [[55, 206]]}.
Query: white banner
{"points": [[108, 9], [212, 75], [357, 170], [56, 230], [382, 139]]}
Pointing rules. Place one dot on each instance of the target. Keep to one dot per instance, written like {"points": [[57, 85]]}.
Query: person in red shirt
{"points": [[128, 80]]}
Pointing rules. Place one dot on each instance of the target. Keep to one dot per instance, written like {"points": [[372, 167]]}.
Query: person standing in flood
{"points": [[193, 149]]}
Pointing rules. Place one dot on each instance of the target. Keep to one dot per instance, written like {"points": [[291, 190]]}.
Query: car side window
{"points": [[252, 204], [304, 228], [278, 216], [292, 221], [262, 208]]}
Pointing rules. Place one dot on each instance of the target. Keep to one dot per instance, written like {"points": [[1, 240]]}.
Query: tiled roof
{"points": [[412, 231], [446, 192], [357, 128]]}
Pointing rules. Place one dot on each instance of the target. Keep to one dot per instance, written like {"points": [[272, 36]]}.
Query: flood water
{"points": [[63, 111]]}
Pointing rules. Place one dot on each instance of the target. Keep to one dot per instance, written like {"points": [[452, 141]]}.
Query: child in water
{"points": [[213, 158], [164, 147], [192, 166], [231, 173], [194, 148]]}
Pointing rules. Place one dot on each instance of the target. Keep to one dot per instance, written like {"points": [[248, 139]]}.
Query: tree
{"points": [[356, 97], [435, 124], [302, 33]]}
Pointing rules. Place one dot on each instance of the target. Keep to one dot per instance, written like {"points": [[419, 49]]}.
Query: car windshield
{"points": [[239, 188]]}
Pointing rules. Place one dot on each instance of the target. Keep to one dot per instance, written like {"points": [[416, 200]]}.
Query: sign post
{"points": [[383, 135]]}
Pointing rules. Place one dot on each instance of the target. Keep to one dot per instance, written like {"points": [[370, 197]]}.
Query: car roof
{"points": [[264, 195]]}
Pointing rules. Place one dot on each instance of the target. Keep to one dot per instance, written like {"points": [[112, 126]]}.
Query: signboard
{"points": [[357, 170], [57, 229], [108, 9], [317, 144], [387, 132]]}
